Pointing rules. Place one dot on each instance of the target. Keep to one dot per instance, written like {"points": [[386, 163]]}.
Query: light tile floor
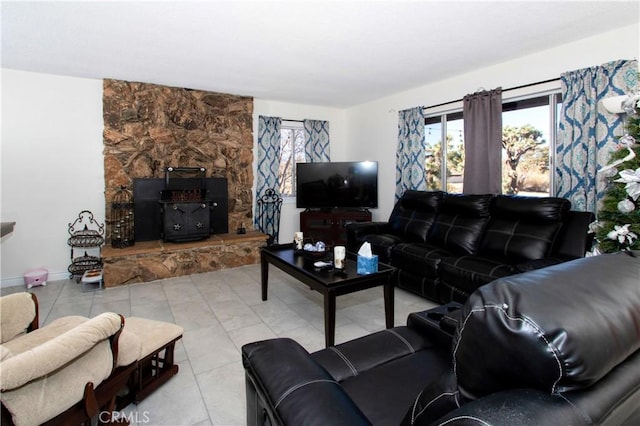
{"points": [[221, 311]]}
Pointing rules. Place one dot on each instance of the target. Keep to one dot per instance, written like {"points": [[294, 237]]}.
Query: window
{"points": [[291, 152], [447, 174], [529, 127]]}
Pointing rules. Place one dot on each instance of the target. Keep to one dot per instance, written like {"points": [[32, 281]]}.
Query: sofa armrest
{"points": [[531, 265], [357, 230], [286, 386], [574, 239], [526, 407], [18, 315], [60, 350]]}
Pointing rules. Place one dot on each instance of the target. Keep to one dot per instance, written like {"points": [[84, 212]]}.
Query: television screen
{"points": [[352, 184]]}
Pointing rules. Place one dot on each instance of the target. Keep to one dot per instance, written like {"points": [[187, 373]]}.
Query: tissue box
{"points": [[367, 265]]}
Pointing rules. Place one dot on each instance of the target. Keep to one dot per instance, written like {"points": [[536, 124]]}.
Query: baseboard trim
{"points": [[16, 281]]}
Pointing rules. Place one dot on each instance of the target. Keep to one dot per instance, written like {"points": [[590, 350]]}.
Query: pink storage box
{"points": [[36, 277]]}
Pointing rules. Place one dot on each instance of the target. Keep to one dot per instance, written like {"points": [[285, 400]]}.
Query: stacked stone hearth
{"points": [[149, 127]]}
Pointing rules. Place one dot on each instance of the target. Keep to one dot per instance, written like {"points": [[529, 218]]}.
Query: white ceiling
{"points": [[333, 53]]}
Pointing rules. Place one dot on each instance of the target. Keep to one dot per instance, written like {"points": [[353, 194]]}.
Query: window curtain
{"points": [[268, 156], [588, 133], [316, 141], [410, 155], [482, 113]]}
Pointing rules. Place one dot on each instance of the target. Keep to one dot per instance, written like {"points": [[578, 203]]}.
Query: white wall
{"points": [[52, 168], [373, 127], [290, 217], [52, 163]]}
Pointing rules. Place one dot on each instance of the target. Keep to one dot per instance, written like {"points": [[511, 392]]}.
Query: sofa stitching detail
{"points": [[298, 386], [414, 417], [460, 331], [345, 359], [409, 219], [415, 404], [402, 339], [523, 319], [521, 235], [494, 269], [584, 415], [553, 349], [450, 226], [506, 244], [477, 273], [482, 422]]}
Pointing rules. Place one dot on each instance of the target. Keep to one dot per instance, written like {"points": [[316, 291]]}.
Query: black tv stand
{"points": [[329, 225]]}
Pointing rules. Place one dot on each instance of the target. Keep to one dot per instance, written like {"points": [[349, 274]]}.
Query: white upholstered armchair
{"points": [[65, 372]]}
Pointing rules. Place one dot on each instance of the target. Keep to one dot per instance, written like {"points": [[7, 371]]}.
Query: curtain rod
{"points": [[296, 121], [504, 90]]}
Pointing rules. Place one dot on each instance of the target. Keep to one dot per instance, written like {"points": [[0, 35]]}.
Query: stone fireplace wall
{"points": [[148, 127]]}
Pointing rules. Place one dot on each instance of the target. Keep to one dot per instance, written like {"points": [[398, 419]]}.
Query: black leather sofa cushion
{"points": [[382, 372], [523, 228], [288, 378], [512, 407], [531, 332], [357, 356], [470, 272], [467, 204], [460, 223], [413, 214], [518, 240], [530, 209], [437, 399], [420, 258], [381, 244]]}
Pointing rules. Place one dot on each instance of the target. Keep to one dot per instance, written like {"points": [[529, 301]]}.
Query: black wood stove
{"points": [[185, 208]]}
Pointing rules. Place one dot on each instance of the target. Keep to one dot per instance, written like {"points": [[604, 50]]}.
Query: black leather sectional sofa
{"points": [[447, 245], [554, 346]]}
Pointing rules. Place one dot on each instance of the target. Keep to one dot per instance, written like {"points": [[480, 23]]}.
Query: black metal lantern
{"points": [[122, 232]]}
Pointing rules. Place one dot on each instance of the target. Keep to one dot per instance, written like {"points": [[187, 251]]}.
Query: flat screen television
{"points": [[347, 185]]}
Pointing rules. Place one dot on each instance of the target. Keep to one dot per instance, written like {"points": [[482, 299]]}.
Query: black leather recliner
{"points": [[558, 345]]}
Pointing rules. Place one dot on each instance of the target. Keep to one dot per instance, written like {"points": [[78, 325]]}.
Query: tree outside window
{"points": [[529, 127], [291, 152]]}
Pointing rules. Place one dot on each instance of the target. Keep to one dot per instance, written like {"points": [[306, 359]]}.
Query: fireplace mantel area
{"points": [[155, 260], [149, 128]]}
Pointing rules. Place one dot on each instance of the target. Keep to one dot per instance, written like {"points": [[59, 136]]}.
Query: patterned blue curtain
{"points": [[268, 156], [316, 141], [588, 133], [410, 155]]}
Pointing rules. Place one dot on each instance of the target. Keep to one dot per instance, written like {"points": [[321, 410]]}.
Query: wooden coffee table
{"points": [[329, 282]]}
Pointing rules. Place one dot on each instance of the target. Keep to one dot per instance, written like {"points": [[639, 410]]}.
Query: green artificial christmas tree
{"points": [[618, 224]]}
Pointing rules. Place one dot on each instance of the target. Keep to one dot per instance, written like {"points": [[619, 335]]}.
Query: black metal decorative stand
{"points": [[269, 206], [122, 219], [86, 234]]}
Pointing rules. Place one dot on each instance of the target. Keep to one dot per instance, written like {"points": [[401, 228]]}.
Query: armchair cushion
{"points": [[48, 369], [17, 311], [43, 351]]}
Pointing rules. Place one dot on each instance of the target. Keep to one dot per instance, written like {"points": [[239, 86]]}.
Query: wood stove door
{"points": [[185, 221]]}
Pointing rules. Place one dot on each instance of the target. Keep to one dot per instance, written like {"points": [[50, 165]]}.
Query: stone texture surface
{"points": [[157, 260], [149, 127]]}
